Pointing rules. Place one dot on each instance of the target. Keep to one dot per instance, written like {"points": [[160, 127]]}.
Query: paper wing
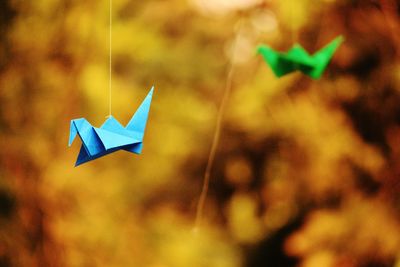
{"points": [[112, 140], [277, 61], [324, 55]]}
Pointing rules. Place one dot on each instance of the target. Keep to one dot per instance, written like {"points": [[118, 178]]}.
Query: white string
{"points": [[217, 133], [110, 62]]}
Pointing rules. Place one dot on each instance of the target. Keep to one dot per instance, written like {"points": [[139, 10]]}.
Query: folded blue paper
{"points": [[111, 136]]}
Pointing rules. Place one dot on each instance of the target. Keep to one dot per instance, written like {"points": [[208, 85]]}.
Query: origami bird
{"points": [[111, 136], [298, 59]]}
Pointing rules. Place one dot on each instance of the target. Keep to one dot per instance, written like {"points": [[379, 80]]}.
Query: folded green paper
{"points": [[297, 58]]}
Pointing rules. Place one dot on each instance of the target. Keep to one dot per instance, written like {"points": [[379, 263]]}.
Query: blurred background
{"points": [[306, 173]]}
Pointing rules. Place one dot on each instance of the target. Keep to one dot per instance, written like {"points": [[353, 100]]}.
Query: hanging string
{"points": [[217, 133], [110, 62]]}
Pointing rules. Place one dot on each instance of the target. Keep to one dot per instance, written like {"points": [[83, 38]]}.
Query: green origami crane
{"points": [[299, 59]]}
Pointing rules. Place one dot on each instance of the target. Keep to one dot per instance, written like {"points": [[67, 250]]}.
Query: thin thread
{"points": [[215, 142], [110, 63]]}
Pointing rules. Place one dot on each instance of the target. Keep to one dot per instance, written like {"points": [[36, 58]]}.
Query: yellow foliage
{"points": [[306, 171]]}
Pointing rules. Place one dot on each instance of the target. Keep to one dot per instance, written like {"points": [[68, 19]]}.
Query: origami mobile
{"points": [[111, 136], [298, 59]]}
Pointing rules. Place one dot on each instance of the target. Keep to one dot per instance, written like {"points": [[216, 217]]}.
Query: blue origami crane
{"points": [[111, 136]]}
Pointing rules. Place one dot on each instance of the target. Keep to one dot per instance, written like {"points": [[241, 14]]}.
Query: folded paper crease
{"points": [[111, 136]]}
